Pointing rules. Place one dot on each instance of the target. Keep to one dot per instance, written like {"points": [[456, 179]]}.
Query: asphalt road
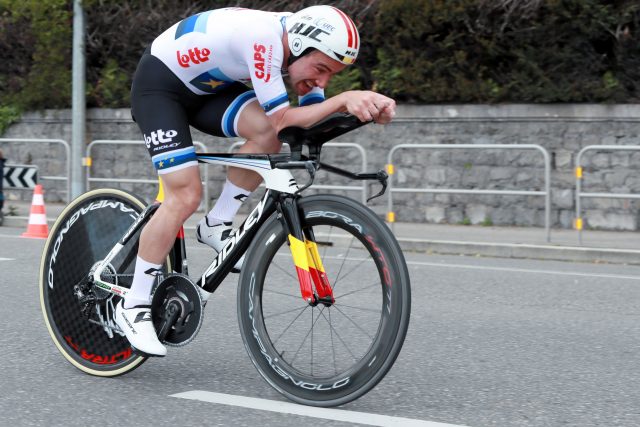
{"points": [[492, 342]]}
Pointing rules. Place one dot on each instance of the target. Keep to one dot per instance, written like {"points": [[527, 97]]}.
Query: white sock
{"points": [[227, 204], [140, 292]]}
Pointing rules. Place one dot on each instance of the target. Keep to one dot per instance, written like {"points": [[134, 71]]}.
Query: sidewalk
{"points": [[622, 247]]}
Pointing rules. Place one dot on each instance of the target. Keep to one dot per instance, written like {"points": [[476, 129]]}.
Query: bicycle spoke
{"points": [[357, 290], [352, 270], [360, 308], [342, 341], [282, 313], [287, 328], [306, 336], [344, 259], [286, 271], [333, 348], [282, 293], [352, 321]]}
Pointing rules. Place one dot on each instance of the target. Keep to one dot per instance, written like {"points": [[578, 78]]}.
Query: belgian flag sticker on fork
{"points": [[299, 253], [309, 269]]}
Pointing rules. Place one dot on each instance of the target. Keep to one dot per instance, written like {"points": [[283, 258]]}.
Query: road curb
{"points": [[519, 250], [499, 250]]}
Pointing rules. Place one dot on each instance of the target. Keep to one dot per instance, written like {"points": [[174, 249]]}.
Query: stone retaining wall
{"points": [[561, 129]]}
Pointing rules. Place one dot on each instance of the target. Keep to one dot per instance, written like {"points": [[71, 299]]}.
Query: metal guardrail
{"points": [[65, 145], [579, 175], [88, 163], [363, 156], [547, 176]]}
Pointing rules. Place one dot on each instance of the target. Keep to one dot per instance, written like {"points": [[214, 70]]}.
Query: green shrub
{"points": [[8, 115], [418, 51], [496, 51]]}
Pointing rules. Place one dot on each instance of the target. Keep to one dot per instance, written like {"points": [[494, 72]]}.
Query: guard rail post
{"points": [[579, 174], [547, 177]]}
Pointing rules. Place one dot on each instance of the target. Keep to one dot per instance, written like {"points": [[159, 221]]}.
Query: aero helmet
{"points": [[326, 29]]}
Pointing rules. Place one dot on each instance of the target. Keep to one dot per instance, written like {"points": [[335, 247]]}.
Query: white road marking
{"points": [[7, 259], [306, 411], [524, 270]]}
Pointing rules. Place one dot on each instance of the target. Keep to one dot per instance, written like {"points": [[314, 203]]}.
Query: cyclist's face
{"points": [[314, 69]]}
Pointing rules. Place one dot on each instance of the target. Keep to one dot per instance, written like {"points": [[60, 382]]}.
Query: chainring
{"points": [[178, 289]]}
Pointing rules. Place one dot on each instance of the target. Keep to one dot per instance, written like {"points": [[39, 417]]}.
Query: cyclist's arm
{"points": [[365, 105]]}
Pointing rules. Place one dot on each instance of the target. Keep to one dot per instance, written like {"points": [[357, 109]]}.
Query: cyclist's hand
{"points": [[370, 106]]}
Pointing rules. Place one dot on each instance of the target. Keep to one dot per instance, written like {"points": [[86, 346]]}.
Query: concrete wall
{"points": [[561, 129]]}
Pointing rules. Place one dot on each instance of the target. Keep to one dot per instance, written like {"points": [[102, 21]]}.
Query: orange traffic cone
{"points": [[37, 228]]}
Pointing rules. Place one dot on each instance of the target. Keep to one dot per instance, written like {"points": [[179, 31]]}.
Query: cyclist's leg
{"points": [[261, 137], [160, 105], [233, 112]]}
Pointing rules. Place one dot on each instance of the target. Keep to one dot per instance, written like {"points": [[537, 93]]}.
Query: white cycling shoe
{"points": [[216, 236], [138, 327]]}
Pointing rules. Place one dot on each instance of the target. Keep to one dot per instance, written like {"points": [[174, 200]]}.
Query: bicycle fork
{"points": [[306, 257]]}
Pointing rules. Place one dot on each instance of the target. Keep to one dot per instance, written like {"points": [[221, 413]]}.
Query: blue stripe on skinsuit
{"points": [[174, 161], [179, 152], [201, 22], [231, 113], [270, 105], [174, 158], [311, 99], [193, 23], [186, 26]]}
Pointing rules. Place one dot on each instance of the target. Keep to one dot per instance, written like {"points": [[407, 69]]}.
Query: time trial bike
{"points": [[323, 297]]}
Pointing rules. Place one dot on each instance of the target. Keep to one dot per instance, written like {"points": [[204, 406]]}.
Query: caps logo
{"points": [[262, 65]]}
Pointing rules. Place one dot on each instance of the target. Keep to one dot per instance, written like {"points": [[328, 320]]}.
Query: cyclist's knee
{"points": [[186, 200], [255, 127], [182, 191]]}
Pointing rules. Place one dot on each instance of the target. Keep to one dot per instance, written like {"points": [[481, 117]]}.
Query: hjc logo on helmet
{"points": [[310, 31], [159, 137], [194, 55]]}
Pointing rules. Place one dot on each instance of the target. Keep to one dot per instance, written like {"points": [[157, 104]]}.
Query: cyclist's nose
{"points": [[322, 82]]}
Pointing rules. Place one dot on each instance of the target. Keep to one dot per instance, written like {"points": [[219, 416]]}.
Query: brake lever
{"points": [[382, 178]]}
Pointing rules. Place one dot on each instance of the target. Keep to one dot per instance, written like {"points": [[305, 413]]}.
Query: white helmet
{"points": [[324, 28]]}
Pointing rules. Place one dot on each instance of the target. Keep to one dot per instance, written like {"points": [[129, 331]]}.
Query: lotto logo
{"points": [[194, 55], [159, 137]]}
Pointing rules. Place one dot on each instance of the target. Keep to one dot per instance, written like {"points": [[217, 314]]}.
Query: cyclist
{"points": [[196, 73]]}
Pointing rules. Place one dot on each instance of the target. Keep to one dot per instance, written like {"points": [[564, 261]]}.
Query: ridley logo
{"points": [[159, 136], [263, 71], [194, 55]]}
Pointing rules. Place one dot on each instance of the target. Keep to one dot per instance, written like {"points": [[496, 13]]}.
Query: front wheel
{"points": [[82, 236], [326, 356]]}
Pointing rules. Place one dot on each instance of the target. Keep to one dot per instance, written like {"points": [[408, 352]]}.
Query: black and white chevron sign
{"points": [[20, 176]]}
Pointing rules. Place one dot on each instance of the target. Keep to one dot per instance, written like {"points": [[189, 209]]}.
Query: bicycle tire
{"points": [[83, 234], [358, 251]]}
